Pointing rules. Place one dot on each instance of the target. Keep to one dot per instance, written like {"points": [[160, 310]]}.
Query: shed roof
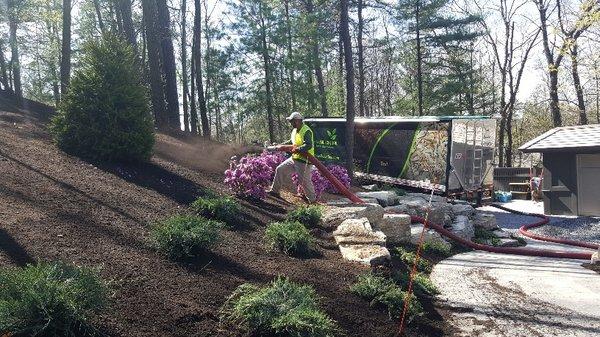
{"points": [[567, 138]]}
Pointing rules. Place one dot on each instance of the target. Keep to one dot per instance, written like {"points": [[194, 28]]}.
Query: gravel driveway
{"points": [[492, 295]]}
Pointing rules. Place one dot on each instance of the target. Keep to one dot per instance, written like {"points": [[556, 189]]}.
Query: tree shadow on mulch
{"points": [[15, 251], [152, 176], [212, 261]]}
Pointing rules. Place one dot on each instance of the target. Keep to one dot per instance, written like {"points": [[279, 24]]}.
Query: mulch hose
{"points": [[493, 249], [524, 230]]}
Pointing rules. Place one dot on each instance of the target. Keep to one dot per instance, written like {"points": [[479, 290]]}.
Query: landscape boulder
{"points": [[463, 209], [333, 216], [384, 198], [485, 221], [358, 231], [371, 255], [396, 227], [430, 235], [463, 227], [439, 212]]}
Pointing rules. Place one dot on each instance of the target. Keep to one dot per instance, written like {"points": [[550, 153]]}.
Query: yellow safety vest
{"points": [[298, 140]]}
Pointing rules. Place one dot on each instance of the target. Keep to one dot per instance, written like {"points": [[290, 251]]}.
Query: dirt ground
{"points": [[55, 206]]}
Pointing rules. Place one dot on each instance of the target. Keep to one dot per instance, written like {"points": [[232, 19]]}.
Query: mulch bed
{"points": [[57, 207]]}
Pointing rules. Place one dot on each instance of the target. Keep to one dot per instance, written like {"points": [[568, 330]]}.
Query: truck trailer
{"points": [[451, 156]]}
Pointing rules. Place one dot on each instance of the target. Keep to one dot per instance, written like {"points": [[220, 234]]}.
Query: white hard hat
{"points": [[294, 115]]}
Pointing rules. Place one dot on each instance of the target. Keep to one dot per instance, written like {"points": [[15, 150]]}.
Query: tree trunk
{"points": [[347, 42], [578, 89], [207, 65], [419, 57], [14, 61], [99, 16], [290, 56], [3, 73], [193, 112], [154, 60], [196, 52], [65, 60], [168, 64], [267, 71], [361, 60], [184, 74], [128, 27], [554, 107]]}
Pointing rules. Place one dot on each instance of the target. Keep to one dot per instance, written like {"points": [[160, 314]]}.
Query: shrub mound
{"points": [[282, 308], [292, 238], [422, 285], [309, 216], [408, 258], [50, 299], [224, 209], [105, 114], [252, 175], [384, 292], [436, 248], [184, 236]]}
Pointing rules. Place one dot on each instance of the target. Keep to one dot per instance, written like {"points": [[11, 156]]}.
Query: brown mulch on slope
{"points": [[54, 206]]}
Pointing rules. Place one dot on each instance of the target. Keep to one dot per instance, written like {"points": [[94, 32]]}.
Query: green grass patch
{"points": [[408, 258], [384, 292], [309, 216], [184, 236], [50, 299], [291, 238], [225, 209], [283, 308]]}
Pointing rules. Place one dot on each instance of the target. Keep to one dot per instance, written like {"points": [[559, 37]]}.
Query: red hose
{"points": [[505, 250], [324, 171], [524, 230], [493, 249]]}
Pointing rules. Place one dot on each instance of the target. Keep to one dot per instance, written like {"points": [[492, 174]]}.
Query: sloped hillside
{"points": [[54, 206]]}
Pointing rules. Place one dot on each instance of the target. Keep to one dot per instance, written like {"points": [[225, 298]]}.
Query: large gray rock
{"points": [[333, 216], [485, 221], [385, 198], [429, 236], [370, 255], [347, 202], [502, 234], [463, 209], [463, 227], [358, 231], [439, 212], [396, 227]]}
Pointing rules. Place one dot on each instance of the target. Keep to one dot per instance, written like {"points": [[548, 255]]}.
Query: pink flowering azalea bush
{"points": [[321, 183], [251, 176]]}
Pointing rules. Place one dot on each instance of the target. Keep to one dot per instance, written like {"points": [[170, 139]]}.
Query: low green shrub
{"points": [[384, 292], [183, 236], [291, 238], [282, 308], [436, 248], [422, 285], [224, 209], [408, 258], [309, 216], [50, 299]]}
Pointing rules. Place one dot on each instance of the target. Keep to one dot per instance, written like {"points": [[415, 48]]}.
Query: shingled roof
{"points": [[567, 138]]}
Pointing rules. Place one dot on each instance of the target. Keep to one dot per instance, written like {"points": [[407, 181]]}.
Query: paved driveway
{"points": [[509, 295]]}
